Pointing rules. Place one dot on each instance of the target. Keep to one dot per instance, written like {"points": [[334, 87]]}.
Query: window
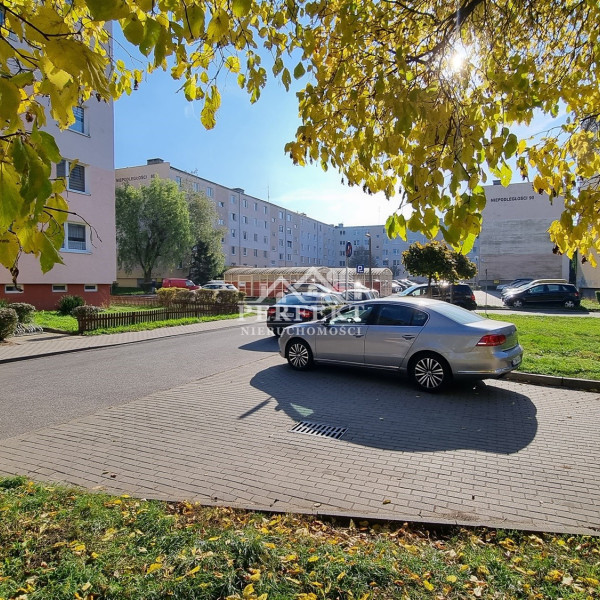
{"points": [[210, 192], [289, 230], [233, 199], [74, 174], [256, 206], [79, 125], [13, 289], [232, 232], [178, 181], [265, 209], [245, 203], [244, 219], [195, 186], [265, 253], [401, 316], [255, 252], [280, 256], [221, 222], [59, 288], [281, 214], [289, 257], [244, 235], [75, 239], [281, 242], [92, 287], [255, 221], [289, 244], [265, 239], [289, 217], [221, 203], [245, 252], [281, 228], [232, 249], [256, 237], [233, 216]]}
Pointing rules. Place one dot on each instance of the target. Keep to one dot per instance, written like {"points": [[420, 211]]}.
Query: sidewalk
{"points": [[47, 343]]}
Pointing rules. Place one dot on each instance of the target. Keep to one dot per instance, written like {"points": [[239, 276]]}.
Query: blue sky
{"points": [[245, 149]]}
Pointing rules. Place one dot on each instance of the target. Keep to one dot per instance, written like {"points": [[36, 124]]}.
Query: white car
{"points": [[219, 285]]}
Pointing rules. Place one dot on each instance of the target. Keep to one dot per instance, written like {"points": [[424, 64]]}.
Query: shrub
{"points": [[598, 296], [166, 296], [87, 310], [67, 303], [230, 297], [184, 296], [206, 296], [24, 311], [8, 322]]}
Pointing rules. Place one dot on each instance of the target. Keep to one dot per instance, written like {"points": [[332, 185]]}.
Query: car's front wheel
{"points": [[299, 355], [517, 303], [430, 372]]}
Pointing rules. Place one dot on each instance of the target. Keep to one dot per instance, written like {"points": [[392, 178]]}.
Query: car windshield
{"points": [[457, 314], [408, 291]]}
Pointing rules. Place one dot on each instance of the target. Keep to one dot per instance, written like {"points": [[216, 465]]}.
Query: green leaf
{"points": [[241, 7], [108, 10], [218, 27], [47, 143], [134, 32], [9, 249], [299, 71], [10, 99], [233, 64], [195, 20], [286, 79], [151, 34], [9, 192], [49, 255]]}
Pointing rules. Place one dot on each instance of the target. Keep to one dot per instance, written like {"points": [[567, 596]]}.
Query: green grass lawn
{"points": [[561, 346], [59, 543]]}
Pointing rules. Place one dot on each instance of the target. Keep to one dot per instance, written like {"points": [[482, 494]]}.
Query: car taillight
{"points": [[305, 313], [271, 311], [492, 339]]}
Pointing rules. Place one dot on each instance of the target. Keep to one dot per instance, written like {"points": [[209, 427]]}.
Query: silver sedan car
{"points": [[430, 340]]}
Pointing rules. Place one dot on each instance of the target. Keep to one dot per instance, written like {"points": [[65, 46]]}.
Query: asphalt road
{"points": [[51, 390]]}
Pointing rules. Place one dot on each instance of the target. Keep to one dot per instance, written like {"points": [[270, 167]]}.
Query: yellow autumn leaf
{"points": [[153, 567], [248, 591], [313, 558], [451, 578], [193, 571], [86, 586], [427, 585]]}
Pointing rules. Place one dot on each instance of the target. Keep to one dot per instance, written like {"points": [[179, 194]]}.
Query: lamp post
{"points": [[370, 261]]}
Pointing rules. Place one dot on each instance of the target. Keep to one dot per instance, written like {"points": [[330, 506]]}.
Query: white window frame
{"points": [[60, 287], [66, 166], [75, 126], [90, 287], [210, 192], [67, 248], [14, 289]]}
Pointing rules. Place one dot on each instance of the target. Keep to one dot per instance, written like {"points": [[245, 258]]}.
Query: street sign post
{"points": [[348, 255]]}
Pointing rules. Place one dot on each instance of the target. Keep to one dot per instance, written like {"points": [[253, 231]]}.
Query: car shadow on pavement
{"points": [[270, 344], [383, 410]]}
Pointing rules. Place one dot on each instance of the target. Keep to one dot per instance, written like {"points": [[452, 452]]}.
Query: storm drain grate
{"points": [[319, 429]]}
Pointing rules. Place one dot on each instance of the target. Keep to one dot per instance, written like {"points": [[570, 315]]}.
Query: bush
{"points": [[183, 296], [87, 310], [229, 297], [8, 322], [24, 311], [67, 303], [166, 296], [206, 296], [598, 296]]}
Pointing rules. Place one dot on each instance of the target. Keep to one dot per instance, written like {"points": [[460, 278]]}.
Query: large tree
{"points": [[386, 98], [153, 226], [207, 259]]}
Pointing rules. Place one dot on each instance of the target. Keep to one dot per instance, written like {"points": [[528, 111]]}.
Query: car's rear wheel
{"points": [[518, 303], [299, 355], [430, 372], [569, 304]]}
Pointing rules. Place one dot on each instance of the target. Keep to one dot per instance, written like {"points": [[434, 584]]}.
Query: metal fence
{"points": [[104, 320]]}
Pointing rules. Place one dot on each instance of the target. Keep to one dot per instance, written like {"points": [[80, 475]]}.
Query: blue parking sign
{"points": [[360, 268]]}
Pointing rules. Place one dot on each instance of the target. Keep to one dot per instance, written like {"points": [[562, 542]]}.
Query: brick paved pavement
{"points": [[501, 454]]}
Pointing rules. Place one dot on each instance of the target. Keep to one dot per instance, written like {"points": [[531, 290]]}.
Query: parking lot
{"points": [[499, 453]]}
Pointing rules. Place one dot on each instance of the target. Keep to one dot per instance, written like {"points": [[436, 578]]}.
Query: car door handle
{"points": [[359, 335], [409, 337]]}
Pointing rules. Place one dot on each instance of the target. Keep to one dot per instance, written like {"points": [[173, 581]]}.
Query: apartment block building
{"points": [[89, 249], [256, 232]]}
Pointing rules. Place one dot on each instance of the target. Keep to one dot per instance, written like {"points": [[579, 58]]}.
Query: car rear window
{"points": [[457, 314]]}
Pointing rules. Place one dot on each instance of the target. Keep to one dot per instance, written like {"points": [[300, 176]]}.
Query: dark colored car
{"points": [[552, 294], [460, 294], [299, 308]]}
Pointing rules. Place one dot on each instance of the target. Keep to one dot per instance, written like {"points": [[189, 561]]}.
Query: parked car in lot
{"points": [[399, 285], [179, 282], [460, 294], [430, 340], [514, 283], [302, 288], [219, 285], [298, 308], [359, 294], [550, 294], [521, 286]]}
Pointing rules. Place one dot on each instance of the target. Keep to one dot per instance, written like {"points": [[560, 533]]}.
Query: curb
{"points": [[571, 383]]}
